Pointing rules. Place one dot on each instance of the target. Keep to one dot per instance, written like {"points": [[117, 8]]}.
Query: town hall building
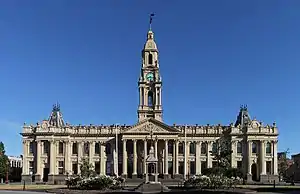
{"points": [[53, 149]]}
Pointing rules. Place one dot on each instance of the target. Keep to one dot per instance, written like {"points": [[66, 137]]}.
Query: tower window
{"points": [[150, 98], [150, 59]]}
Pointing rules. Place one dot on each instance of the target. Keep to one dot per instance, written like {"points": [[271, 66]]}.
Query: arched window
{"points": [[239, 148], [150, 98], [268, 148], [192, 148], [108, 148], [203, 148], [254, 148], [97, 148], [31, 147], [150, 59], [181, 148], [61, 148], [74, 148], [214, 148]]}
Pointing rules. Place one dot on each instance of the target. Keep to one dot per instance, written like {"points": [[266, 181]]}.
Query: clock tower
{"points": [[150, 104]]}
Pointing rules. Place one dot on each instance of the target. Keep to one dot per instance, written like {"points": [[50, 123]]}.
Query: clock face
{"points": [[150, 76]]}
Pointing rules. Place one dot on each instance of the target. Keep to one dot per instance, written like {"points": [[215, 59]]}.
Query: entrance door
{"points": [[45, 174], [254, 172]]}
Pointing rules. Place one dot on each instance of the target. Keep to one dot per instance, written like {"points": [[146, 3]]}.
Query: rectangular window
{"points": [[269, 167], [181, 167], [31, 166], [192, 167], [170, 167], [214, 164], [74, 168], [60, 167], [170, 147], [203, 164], [239, 164], [97, 167]]}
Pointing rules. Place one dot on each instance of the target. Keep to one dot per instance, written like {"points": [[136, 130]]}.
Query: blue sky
{"points": [[214, 56]]}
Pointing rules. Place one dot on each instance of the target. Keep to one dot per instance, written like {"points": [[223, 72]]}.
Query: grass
{"points": [[30, 187]]}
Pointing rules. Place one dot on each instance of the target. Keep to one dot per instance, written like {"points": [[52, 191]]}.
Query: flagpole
{"points": [[151, 18], [185, 154]]}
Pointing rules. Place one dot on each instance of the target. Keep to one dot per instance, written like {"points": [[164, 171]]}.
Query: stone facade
{"points": [[53, 149]]}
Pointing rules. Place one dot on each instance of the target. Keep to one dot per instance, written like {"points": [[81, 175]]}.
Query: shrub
{"points": [[212, 182], [94, 183]]}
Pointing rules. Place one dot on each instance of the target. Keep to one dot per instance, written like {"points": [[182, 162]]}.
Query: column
{"points": [[52, 157], [134, 158], [38, 158], [209, 158], [262, 157], [80, 155], [275, 157], [173, 158], [187, 151], [91, 152], [166, 157], [249, 162], [176, 158], [124, 158], [141, 96], [155, 149], [25, 161], [233, 155], [145, 156], [102, 158], [198, 156], [68, 161]]}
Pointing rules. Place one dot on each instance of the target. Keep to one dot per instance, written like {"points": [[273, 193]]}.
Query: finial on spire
{"points": [[151, 18]]}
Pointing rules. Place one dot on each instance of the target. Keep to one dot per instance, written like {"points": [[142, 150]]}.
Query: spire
{"points": [[243, 117], [56, 118]]}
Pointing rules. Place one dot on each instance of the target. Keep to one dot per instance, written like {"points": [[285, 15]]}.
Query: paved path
{"points": [[19, 192]]}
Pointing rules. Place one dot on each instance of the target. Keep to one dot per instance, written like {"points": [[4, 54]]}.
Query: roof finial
{"points": [[151, 18]]}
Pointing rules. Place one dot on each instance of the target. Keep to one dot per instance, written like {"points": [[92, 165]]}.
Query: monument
{"points": [[151, 183]]}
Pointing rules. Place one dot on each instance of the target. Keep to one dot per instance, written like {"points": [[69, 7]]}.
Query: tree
{"points": [[222, 154], [3, 161], [283, 164], [86, 168]]}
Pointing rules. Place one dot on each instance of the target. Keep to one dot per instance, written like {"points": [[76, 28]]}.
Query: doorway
{"points": [[254, 172], [45, 174]]}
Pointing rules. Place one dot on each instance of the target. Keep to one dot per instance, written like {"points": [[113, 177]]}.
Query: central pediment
{"points": [[151, 126]]}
